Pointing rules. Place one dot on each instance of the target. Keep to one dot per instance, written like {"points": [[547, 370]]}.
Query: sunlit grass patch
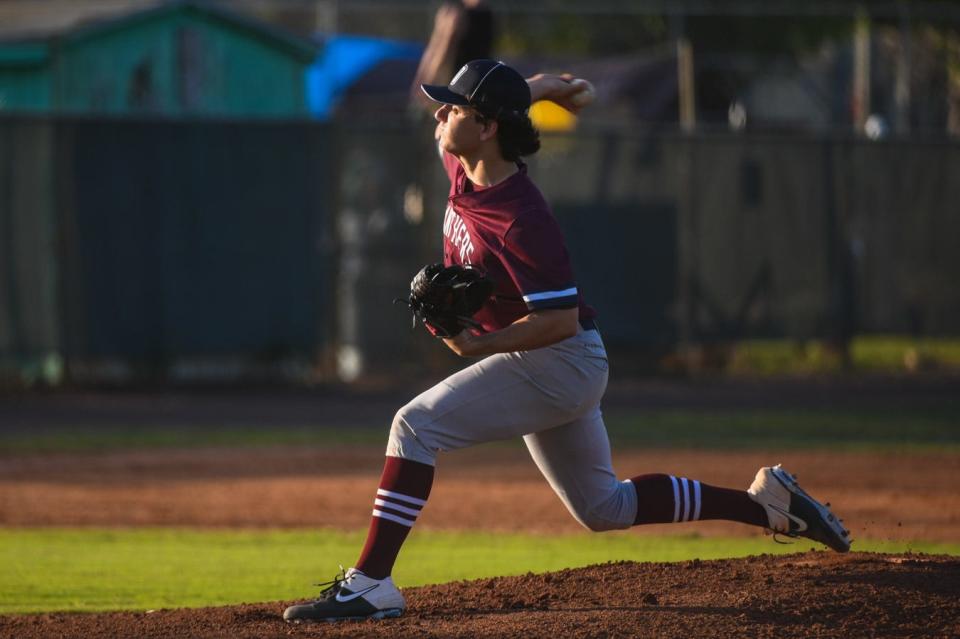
{"points": [[48, 569]]}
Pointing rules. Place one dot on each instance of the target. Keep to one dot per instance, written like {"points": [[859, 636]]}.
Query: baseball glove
{"points": [[445, 298]]}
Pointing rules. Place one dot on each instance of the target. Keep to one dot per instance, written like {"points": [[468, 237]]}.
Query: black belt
{"points": [[589, 325]]}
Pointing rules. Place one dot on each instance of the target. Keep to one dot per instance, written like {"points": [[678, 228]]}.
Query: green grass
{"points": [[868, 353], [898, 353], [931, 428], [140, 569]]}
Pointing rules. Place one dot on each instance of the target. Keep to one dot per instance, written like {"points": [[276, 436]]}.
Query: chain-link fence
{"points": [[201, 250], [166, 250]]}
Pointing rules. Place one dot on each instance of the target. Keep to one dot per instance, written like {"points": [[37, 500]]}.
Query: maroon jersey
{"points": [[508, 232]]}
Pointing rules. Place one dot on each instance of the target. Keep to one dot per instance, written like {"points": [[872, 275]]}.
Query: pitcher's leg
{"points": [[664, 499], [575, 460], [403, 491], [499, 397]]}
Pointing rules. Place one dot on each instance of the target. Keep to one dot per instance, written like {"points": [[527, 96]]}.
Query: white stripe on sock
{"points": [[406, 498], [396, 518], [686, 498], [676, 499], [408, 511], [696, 500]]}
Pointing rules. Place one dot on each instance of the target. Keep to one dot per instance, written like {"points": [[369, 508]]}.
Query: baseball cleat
{"points": [[351, 595], [792, 512]]}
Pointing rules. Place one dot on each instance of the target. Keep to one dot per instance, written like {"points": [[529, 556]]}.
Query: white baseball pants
{"points": [[550, 396]]}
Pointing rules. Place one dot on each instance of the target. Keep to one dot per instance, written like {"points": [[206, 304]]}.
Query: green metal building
{"points": [[181, 58]]}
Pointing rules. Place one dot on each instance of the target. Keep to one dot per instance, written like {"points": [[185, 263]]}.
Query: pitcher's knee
{"points": [[616, 512], [405, 442], [598, 522]]}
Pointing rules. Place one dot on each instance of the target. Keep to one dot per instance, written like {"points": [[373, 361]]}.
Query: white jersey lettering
{"points": [[455, 230]]}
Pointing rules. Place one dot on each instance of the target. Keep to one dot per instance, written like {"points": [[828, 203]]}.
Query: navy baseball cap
{"points": [[489, 86]]}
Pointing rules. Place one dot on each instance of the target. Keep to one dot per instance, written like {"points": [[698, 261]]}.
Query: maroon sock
{"points": [[404, 488], [664, 499]]}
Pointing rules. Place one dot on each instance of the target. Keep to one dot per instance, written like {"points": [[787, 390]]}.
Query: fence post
{"points": [[861, 69], [840, 288], [8, 249], [687, 252]]}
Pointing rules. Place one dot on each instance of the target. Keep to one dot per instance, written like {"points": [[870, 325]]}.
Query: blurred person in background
{"points": [[463, 30]]}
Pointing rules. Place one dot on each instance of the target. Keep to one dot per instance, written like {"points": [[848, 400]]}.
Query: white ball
{"points": [[875, 127], [585, 93]]}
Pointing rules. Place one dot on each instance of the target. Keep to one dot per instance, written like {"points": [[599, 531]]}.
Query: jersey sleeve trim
{"points": [[566, 298]]}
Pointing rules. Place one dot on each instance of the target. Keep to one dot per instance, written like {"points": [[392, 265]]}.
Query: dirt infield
{"points": [[804, 595], [880, 495]]}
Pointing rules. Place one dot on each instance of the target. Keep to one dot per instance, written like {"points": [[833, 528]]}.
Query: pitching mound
{"points": [[802, 595]]}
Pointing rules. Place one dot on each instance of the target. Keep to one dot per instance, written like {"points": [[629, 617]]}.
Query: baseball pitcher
{"points": [[505, 293]]}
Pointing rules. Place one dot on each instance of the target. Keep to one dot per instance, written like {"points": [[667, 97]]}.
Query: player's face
{"points": [[460, 132]]}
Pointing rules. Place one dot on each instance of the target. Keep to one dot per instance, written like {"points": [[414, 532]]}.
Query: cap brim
{"points": [[443, 95]]}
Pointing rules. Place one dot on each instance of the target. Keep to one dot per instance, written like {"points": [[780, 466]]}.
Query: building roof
{"points": [[77, 23], [348, 59]]}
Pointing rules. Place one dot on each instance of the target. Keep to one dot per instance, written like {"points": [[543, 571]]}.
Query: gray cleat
{"points": [[351, 595]]}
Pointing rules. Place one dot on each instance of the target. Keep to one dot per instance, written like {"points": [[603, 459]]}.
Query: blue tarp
{"points": [[344, 60]]}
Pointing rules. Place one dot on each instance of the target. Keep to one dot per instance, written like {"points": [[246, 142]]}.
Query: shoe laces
{"points": [[333, 586]]}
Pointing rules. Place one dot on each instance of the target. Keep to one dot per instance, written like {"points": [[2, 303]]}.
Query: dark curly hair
{"points": [[516, 135]]}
